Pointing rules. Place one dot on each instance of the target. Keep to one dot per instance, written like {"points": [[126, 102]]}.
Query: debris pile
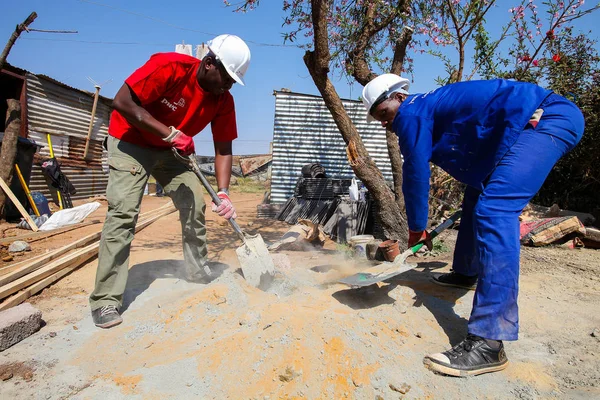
{"points": [[542, 226], [329, 203]]}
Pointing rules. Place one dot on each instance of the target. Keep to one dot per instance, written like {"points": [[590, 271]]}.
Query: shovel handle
{"points": [[190, 161], [439, 229]]}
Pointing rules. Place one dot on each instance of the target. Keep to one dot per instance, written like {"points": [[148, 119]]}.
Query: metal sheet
{"points": [[304, 132], [251, 164], [65, 112]]}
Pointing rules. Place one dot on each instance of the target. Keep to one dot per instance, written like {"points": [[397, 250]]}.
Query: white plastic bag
{"points": [[353, 190], [69, 216]]}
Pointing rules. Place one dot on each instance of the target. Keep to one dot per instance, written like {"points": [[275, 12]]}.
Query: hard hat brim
{"points": [[234, 76]]}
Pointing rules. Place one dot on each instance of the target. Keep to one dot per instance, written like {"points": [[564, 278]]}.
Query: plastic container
{"points": [[41, 202], [390, 250], [373, 251], [359, 244]]}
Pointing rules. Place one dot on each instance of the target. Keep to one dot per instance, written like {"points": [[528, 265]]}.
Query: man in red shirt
{"points": [[161, 106]]}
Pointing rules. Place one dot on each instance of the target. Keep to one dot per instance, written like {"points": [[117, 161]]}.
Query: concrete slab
{"points": [[18, 323]]}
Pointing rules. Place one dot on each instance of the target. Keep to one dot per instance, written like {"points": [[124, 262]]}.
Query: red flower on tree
{"points": [[556, 58], [550, 34]]}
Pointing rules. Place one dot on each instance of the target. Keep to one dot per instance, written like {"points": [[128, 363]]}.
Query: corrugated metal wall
{"points": [[304, 132], [65, 113]]}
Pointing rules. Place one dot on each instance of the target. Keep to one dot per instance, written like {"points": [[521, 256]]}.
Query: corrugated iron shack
{"points": [[304, 132], [52, 107]]}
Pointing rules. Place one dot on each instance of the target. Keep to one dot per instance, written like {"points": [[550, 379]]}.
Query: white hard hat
{"points": [[380, 88], [233, 53]]}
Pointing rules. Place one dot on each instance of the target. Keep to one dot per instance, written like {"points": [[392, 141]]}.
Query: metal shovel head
{"points": [[256, 262], [380, 273]]}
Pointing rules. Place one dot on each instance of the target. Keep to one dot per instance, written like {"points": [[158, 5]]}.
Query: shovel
{"points": [[385, 271], [255, 260]]}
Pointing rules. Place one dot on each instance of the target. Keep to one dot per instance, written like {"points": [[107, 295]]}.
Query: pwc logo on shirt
{"points": [[173, 106]]}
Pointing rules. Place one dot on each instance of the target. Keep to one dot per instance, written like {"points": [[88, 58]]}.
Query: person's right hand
{"points": [[420, 237], [182, 142]]}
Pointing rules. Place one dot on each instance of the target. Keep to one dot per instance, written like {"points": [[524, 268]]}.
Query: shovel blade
{"points": [[381, 272], [256, 262]]}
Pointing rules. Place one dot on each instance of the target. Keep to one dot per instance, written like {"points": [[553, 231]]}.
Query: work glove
{"points": [[225, 209], [419, 237], [182, 142]]}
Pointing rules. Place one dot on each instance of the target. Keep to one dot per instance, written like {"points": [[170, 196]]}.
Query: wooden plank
{"points": [[18, 204], [20, 269], [23, 295], [32, 237], [592, 234], [41, 285], [61, 263], [39, 262], [12, 267]]}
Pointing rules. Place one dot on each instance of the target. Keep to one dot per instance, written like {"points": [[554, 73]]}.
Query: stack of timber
{"points": [[32, 276]]}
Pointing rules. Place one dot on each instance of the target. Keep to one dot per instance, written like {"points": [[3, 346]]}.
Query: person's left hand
{"points": [[225, 209], [418, 237]]}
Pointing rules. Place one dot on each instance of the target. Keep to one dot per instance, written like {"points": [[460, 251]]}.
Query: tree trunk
{"points": [[9, 145], [15, 35], [393, 224], [392, 221], [396, 160], [392, 139]]}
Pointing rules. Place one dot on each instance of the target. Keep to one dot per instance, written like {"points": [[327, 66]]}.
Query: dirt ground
{"points": [[307, 338]]}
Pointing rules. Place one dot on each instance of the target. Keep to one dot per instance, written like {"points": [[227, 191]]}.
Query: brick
{"points": [[18, 323]]}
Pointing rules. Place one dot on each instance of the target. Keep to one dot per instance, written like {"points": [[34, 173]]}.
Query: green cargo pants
{"points": [[130, 168]]}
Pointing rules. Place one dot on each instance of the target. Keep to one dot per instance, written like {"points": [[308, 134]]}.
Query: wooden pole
{"points": [[17, 204], [89, 135], [15, 35]]}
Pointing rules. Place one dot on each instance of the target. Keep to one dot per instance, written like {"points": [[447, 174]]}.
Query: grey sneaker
{"points": [[455, 279], [106, 316]]}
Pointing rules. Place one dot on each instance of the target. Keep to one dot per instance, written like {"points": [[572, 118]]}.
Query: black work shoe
{"points": [[455, 279], [106, 316], [473, 356]]}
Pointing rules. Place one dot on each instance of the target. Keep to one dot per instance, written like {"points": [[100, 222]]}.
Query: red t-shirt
{"points": [[168, 89]]}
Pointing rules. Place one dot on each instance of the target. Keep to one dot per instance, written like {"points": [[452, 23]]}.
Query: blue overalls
{"points": [[479, 132]]}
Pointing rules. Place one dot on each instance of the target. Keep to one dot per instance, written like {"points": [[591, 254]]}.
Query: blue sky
{"points": [[99, 50]]}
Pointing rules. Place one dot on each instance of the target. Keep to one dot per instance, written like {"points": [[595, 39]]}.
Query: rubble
{"points": [[304, 235], [550, 230], [19, 246]]}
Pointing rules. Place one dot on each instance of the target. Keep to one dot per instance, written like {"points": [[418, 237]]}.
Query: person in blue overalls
{"points": [[501, 138]]}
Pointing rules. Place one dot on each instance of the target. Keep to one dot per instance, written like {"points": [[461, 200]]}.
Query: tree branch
{"points": [[478, 19], [400, 50], [13, 38], [357, 56]]}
